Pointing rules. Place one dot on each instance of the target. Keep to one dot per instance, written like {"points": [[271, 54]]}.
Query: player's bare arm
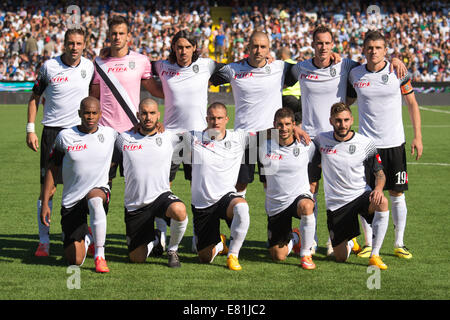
{"points": [[153, 87], [376, 196], [94, 90], [301, 134], [414, 114], [33, 105], [48, 187]]}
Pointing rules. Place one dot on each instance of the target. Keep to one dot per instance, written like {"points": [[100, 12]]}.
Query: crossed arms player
{"points": [[146, 163], [85, 154], [345, 157]]}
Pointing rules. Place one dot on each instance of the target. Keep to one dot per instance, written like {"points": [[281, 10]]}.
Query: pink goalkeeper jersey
{"points": [[126, 74]]}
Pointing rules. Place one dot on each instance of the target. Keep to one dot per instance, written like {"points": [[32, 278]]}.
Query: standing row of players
{"points": [[257, 87]]}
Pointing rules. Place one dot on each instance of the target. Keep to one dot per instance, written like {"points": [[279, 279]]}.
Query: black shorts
{"points": [[250, 160], [47, 141], [140, 224], [74, 219], [175, 165], [279, 226], [207, 221], [394, 167], [343, 223], [314, 173]]}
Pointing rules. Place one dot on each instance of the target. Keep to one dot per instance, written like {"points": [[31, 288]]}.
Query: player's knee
{"points": [[205, 255], [177, 211], [278, 254], [138, 255], [306, 207]]}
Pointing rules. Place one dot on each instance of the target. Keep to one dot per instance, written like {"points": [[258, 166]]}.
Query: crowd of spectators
{"points": [[417, 31]]}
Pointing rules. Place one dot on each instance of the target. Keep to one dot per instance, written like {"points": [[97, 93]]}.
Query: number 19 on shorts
{"points": [[402, 177]]}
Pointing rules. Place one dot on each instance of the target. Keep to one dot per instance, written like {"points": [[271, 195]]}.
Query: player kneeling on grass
{"points": [[285, 166], [216, 159], [345, 157], [146, 161], [85, 154]]}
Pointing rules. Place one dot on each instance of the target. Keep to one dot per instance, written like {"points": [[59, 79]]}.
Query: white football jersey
{"points": [[86, 160], [321, 88], [185, 93], [146, 166], [344, 167], [379, 105], [286, 172], [63, 88], [215, 165], [256, 92]]}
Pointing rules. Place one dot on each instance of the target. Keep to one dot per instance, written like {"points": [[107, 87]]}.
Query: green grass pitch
{"points": [[25, 277]]}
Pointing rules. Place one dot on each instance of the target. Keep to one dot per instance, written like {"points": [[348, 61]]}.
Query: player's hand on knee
{"points": [[376, 197], [32, 141]]}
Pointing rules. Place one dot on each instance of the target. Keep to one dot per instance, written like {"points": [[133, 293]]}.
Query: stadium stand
{"points": [[418, 31]]}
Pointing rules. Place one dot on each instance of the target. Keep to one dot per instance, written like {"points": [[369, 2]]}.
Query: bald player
{"points": [[84, 152], [147, 187]]}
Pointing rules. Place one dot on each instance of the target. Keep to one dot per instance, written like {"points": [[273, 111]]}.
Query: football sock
{"points": [[161, 225], [151, 245], [44, 231], [367, 229], [87, 241], [239, 227], [399, 213], [379, 225], [218, 248], [98, 224], [307, 228], [295, 239], [350, 245], [177, 230]]}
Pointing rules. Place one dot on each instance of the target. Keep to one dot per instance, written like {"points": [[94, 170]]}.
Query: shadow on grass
{"points": [[22, 247]]}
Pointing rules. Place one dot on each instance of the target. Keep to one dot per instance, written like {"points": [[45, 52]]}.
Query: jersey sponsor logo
{"points": [[209, 144], [328, 150], [273, 156], [361, 84], [132, 147], [243, 75], [117, 68], [77, 147], [59, 79], [170, 73], [309, 76]]}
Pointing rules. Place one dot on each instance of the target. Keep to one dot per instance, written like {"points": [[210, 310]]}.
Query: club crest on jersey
{"points": [[195, 68], [158, 141], [227, 144], [332, 72], [385, 78], [83, 73], [132, 65], [296, 152], [351, 149], [267, 68], [101, 138]]}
